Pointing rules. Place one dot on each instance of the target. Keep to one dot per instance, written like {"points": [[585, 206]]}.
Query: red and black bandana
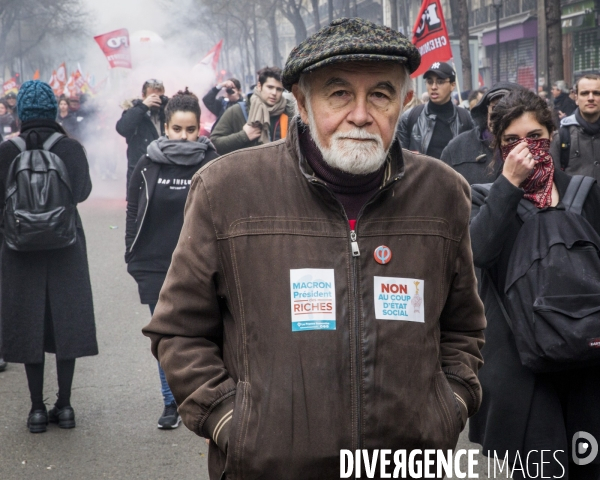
{"points": [[538, 185]]}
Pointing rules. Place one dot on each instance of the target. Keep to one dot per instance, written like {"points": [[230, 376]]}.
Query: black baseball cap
{"points": [[442, 70]]}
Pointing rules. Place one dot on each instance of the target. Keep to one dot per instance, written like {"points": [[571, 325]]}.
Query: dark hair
{"points": [[182, 101], [513, 106], [269, 72], [236, 82], [473, 95], [588, 76], [5, 103], [61, 98]]}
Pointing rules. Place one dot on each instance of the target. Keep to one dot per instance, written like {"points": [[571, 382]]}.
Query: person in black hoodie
{"points": [[142, 122], [47, 305], [470, 154], [156, 198]]}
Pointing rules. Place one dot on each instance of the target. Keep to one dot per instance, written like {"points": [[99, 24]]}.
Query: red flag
{"points": [[55, 84], [36, 75], [115, 46], [10, 86], [212, 57], [430, 36], [61, 74]]}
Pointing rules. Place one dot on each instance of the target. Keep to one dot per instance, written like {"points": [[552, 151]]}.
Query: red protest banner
{"points": [[212, 57], [115, 46], [430, 36], [10, 86]]}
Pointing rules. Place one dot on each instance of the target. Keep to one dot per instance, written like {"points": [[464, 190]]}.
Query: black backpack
{"points": [[39, 211], [552, 287]]}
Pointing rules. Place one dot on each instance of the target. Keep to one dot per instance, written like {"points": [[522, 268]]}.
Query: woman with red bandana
{"points": [[531, 417]]}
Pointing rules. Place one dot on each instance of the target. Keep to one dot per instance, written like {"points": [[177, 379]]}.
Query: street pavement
{"points": [[116, 395]]}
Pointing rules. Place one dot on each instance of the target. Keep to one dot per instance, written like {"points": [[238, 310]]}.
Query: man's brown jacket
{"points": [[223, 333]]}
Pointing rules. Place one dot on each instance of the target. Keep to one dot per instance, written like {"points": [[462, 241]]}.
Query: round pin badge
{"points": [[382, 255]]}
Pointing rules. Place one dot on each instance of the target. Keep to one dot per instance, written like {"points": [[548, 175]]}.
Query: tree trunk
{"points": [[257, 65], [316, 18], [353, 8], [271, 20], [465, 52], [555, 53], [330, 10], [345, 8], [291, 11]]}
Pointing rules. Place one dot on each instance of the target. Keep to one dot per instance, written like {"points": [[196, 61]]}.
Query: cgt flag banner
{"points": [[115, 46], [430, 36]]}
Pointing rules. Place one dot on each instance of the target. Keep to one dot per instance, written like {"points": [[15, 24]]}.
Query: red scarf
{"points": [[538, 185]]}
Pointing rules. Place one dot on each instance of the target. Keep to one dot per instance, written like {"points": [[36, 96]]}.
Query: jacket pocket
{"points": [[567, 328], [237, 432], [448, 408]]}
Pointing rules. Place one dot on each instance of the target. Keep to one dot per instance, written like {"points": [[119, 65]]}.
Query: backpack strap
{"points": [[52, 139], [244, 108], [20, 143], [565, 147], [577, 192]]}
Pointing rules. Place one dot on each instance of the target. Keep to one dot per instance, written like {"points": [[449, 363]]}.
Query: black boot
{"points": [[65, 417], [37, 420]]}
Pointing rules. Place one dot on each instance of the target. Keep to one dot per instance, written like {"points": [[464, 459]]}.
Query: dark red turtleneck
{"points": [[353, 191]]}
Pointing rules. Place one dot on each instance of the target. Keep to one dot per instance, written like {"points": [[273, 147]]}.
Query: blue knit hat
{"points": [[35, 101]]}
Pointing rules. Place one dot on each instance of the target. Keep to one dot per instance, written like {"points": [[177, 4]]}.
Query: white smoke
{"points": [[161, 50]]}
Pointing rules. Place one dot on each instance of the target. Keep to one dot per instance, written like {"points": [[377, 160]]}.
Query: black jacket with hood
{"points": [[142, 185], [584, 149], [470, 153]]}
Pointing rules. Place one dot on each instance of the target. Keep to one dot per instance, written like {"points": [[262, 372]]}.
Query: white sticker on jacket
{"points": [[313, 299], [399, 299]]}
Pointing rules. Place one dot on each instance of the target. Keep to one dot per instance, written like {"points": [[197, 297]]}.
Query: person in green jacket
{"points": [[264, 120]]}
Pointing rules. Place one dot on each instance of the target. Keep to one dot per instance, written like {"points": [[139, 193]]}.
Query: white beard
{"points": [[356, 157]]}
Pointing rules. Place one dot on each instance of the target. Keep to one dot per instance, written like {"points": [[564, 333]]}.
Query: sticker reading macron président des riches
{"points": [[312, 294], [399, 299]]}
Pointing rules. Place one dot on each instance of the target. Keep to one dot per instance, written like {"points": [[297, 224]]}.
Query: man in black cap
{"points": [[470, 153], [428, 128], [322, 295]]}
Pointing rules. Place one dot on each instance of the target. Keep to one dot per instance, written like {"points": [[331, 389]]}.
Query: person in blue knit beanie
{"points": [[36, 100], [48, 306]]}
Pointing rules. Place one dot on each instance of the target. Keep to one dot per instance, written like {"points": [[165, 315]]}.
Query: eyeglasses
{"points": [[438, 81]]}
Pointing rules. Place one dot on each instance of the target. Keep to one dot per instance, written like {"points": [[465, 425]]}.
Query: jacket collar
{"points": [[395, 162], [42, 124]]}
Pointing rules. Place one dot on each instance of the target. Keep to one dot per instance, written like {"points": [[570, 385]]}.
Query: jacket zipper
{"points": [[143, 216], [357, 335], [354, 248]]}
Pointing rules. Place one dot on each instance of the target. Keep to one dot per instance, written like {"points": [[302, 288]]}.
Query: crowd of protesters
{"points": [[351, 175]]}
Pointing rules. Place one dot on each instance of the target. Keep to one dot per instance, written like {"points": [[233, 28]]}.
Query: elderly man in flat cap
{"points": [[322, 294]]}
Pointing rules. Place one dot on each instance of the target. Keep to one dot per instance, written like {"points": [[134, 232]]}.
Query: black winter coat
{"points": [[46, 295], [521, 411], [471, 156], [136, 126]]}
